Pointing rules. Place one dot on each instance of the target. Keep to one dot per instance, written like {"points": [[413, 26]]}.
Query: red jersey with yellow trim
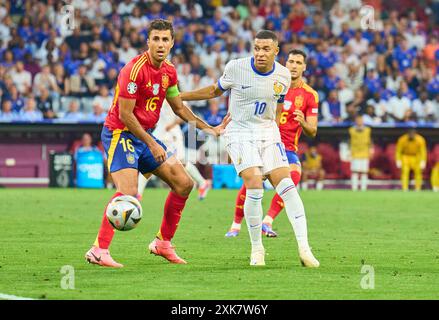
{"points": [[302, 97], [139, 79]]}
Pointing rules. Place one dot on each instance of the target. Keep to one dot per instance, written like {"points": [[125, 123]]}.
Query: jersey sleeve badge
{"points": [[277, 88], [132, 87]]}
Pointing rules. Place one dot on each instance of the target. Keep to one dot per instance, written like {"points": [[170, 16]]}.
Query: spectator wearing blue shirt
{"points": [[406, 91], [331, 108], [276, 17], [309, 37], [433, 86], [331, 79], [73, 114], [372, 81], [212, 115], [16, 100], [325, 57], [30, 112], [220, 26], [98, 115], [7, 114], [404, 55]]}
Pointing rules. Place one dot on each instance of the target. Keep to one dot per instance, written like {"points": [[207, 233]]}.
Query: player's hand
{"points": [[300, 117], [219, 130], [158, 152], [398, 164], [423, 164]]}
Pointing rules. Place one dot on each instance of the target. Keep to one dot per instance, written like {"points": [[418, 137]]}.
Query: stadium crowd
{"points": [[387, 72]]}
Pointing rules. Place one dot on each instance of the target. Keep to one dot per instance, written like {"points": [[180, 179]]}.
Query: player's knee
{"points": [[129, 190], [184, 186]]}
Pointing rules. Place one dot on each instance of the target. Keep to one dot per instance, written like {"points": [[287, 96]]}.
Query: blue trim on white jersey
{"points": [[219, 86], [260, 73]]}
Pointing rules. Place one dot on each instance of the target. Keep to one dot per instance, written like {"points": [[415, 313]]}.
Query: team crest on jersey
{"points": [[287, 105], [155, 89], [165, 81], [298, 101], [278, 88], [130, 158], [132, 88]]}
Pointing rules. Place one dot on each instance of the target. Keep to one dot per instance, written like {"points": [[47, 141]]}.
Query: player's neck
{"points": [[154, 62], [296, 83]]}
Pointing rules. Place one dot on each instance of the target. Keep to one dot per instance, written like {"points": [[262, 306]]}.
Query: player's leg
{"points": [[296, 213], [239, 213], [142, 182], [173, 173], [247, 160], [276, 167], [364, 180], [253, 212], [320, 178], [434, 178], [405, 173], [354, 174], [123, 170], [416, 165], [305, 178], [277, 203]]}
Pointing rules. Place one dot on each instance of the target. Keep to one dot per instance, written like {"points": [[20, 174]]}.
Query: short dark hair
{"points": [[298, 51], [266, 34], [161, 24]]}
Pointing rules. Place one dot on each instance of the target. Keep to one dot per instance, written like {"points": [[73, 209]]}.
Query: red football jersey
{"points": [[304, 98], [139, 79]]}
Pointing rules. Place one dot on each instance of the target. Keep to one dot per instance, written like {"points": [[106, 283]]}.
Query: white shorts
{"points": [[360, 165], [267, 155]]}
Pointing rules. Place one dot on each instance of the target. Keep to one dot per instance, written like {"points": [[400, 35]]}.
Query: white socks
{"points": [[364, 181], [253, 217], [359, 178], [295, 210], [141, 183], [354, 181], [236, 226], [195, 174]]}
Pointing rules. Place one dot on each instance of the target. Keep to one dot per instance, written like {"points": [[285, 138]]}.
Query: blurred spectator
{"points": [[331, 108], [103, 98], [21, 78], [45, 80], [98, 115], [16, 99], [30, 112], [423, 108], [126, 52], [358, 44], [44, 104], [399, 108], [73, 114], [81, 84], [7, 114], [312, 168]]}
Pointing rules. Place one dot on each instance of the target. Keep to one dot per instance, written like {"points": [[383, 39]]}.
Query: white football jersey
{"points": [[253, 99]]}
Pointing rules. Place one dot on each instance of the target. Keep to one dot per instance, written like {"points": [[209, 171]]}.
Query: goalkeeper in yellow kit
{"points": [[411, 154]]}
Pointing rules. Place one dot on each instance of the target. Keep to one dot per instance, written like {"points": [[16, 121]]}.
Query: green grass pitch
{"points": [[395, 233]]}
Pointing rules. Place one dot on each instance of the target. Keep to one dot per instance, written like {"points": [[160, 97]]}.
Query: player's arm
{"points": [[205, 93], [279, 112], [308, 124], [126, 115], [224, 83], [187, 115]]}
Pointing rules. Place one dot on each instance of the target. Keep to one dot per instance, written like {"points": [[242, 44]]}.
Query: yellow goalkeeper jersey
{"points": [[360, 142], [415, 147]]}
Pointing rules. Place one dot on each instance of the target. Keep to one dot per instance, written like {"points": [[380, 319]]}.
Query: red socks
{"points": [[277, 203], [106, 232], [239, 208], [174, 205]]}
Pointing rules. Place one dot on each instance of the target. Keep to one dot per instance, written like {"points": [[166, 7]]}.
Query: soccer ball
{"points": [[124, 212]]}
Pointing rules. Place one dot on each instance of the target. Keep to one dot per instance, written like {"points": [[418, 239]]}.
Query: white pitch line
{"points": [[12, 297]]}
